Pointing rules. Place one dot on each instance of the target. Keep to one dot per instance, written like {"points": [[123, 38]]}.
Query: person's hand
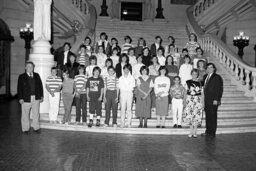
{"points": [[52, 94], [215, 102], [41, 100], [143, 98], [21, 101], [77, 94], [100, 99]]}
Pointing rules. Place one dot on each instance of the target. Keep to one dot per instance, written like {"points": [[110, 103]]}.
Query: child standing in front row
{"points": [[162, 87], [177, 93], [80, 95], [126, 87], [95, 89], [143, 98], [53, 86], [67, 96], [111, 94]]}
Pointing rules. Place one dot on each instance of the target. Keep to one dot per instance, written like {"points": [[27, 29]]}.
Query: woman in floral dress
{"points": [[194, 103], [192, 45]]}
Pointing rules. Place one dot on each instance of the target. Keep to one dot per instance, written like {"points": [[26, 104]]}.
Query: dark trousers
{"points": [[81, 103], [211, 118], [111, 104]]}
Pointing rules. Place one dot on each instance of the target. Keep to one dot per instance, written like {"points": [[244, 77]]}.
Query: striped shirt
{"points": [[125, 47], [83, 59], [53, 82], [111, 82], [80, 83]]}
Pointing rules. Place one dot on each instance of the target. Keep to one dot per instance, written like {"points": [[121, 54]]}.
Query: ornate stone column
{"points": [[41, 55], [159, 10], [104, 8]]}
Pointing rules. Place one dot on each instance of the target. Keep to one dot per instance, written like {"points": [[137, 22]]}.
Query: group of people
{"points": [[153, 78]]}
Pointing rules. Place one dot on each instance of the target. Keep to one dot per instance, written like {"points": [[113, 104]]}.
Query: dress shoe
{"points": [[204, 134], [163, 126], [140, 126], [158, 126], [175, 126], [179, 126], [25, 132], [38, 131]]}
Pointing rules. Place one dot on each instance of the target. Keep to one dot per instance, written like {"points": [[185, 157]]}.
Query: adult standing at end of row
{"points": [[30, 95], [213, 89]]}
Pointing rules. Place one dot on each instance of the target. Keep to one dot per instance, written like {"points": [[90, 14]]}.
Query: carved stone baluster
{"points": [[220, 56], [247, 79], [237, 71], [223, 58], [241, 75], [227, 63], [254, 83], [232, 67]]}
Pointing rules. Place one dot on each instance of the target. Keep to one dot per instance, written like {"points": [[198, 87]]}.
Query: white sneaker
{"points": [[189, 135], [194, 136], [115, 125], [105, 125]]}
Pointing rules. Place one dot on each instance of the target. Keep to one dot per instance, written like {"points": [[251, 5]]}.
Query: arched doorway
{"points": [[5, 51]]}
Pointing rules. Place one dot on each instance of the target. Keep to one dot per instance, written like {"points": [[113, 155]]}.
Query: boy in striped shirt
{"points": [[83, 56], [53, 86], [111, 94], [80, 95]]}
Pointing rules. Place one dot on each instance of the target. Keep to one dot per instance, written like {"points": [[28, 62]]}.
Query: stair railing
{"points": [[241, 73]]}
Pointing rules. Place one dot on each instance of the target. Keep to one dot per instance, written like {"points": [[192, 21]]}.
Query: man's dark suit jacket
{"points": [[153, 50], [213, 89], [24, 91], [59, 57]]}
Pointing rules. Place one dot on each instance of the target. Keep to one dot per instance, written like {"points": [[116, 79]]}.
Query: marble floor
{"points": [[66, 150]]}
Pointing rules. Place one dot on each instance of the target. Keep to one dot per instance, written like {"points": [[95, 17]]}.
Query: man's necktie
{"points": [[103, 44]]}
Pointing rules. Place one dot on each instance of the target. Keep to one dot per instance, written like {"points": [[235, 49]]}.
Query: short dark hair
{"points": [[144, 68], [193, 35], [67, 43], [71, 54], [130, 49], [145, 49], [176, 77], [128, 37], [124, 55], [184, 49], [53, 68], [128, 66], [173, 39], [104, 34], [186, 56], [203, 61], [115, 49], [96, 68], [196, 71], [213, 65], [115, 40], [109, 60], [142, 39], [111, 67], [82, 46], [93, 57], [162, 68], [30, 62], [81, 67], [199, 48], [88, 39], [161, 40]]}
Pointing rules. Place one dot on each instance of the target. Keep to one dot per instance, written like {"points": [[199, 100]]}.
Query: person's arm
{"points": [[87, 94], [41, 91], [218, 83], [105, 90]]}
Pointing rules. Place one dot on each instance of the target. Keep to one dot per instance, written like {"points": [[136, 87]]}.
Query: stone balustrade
{"points": [[201, 6]]}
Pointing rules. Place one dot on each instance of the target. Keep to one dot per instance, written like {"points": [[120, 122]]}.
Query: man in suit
{"points": [[213, 89], [61, 55], [30, 95], [155, 46]]}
